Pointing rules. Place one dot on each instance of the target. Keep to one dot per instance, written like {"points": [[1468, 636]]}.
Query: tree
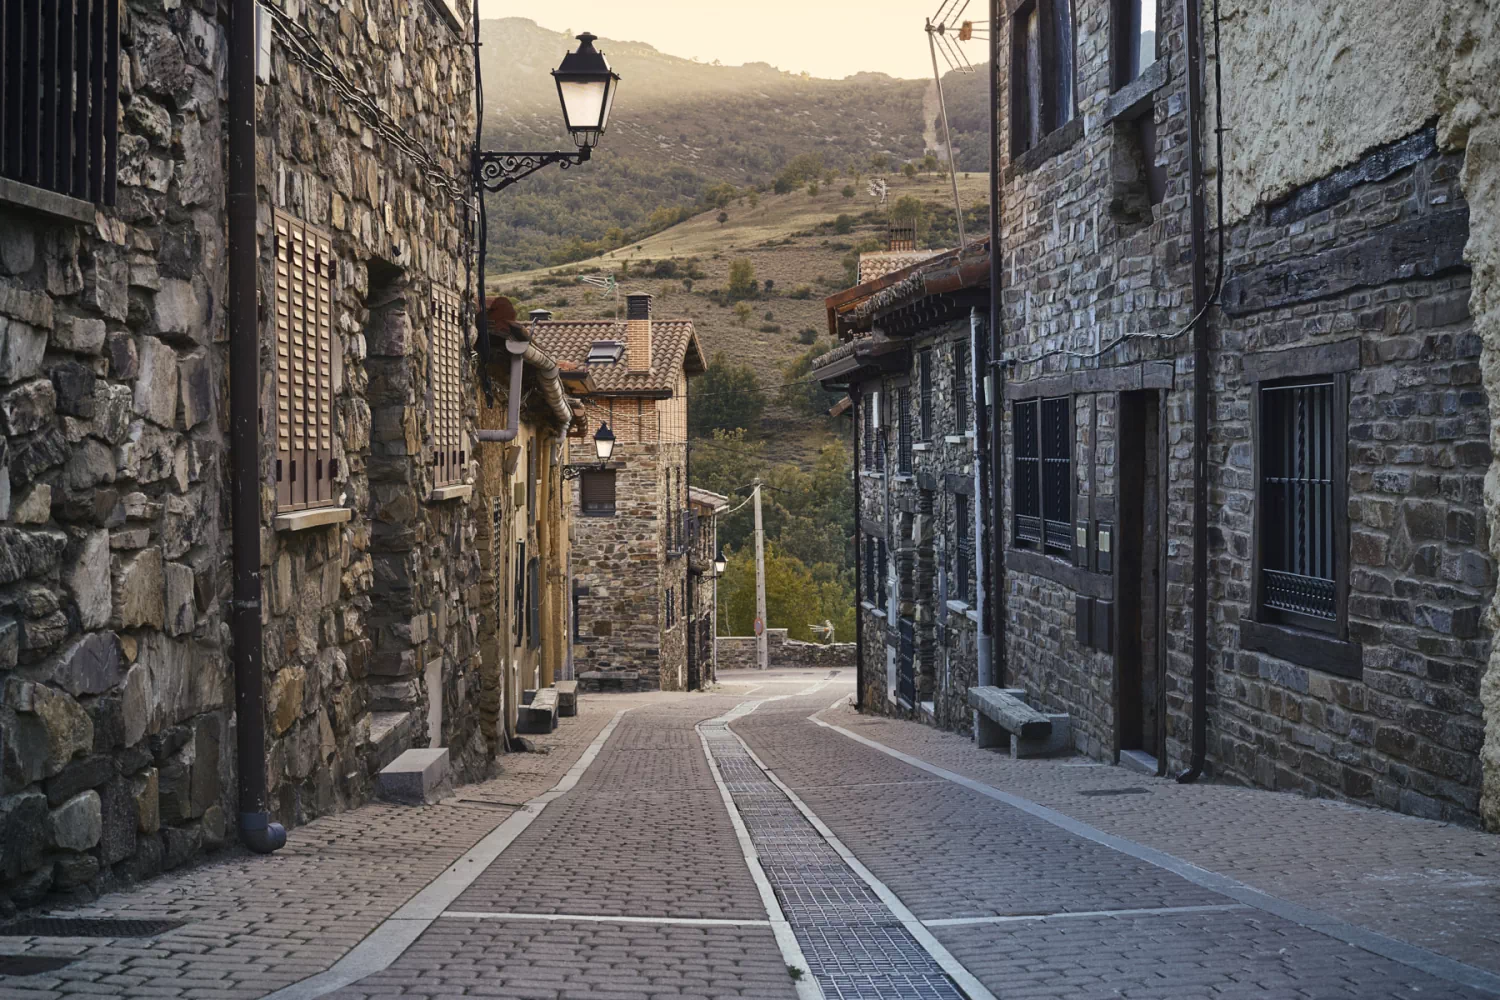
{"points": [[848, 191], [909, 209], [741, 278], [795, 598], [754, 199], [742, 312], [723, 217], [727, 395], [879, 161], [843, 224], [910, 170], [930, 162], [812, 189]]}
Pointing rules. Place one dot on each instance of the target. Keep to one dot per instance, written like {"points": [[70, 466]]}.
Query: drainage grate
{"points": [[91, 927], [1100, 792], [854, 946], [31, 965]]}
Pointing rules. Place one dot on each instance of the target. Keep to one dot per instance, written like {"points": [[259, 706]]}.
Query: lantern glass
{"points": [[720, 564], [604, 443]]}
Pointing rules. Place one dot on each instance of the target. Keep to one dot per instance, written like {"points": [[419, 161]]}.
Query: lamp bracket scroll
{"points": [[497, 171]]}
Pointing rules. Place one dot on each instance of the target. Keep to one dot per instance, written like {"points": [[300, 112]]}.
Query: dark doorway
{"points": [[1138, 662]]}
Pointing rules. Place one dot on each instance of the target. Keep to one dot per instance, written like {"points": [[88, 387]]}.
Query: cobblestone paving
{"points": [[930, 844], [260, 923], [1431, 884]]}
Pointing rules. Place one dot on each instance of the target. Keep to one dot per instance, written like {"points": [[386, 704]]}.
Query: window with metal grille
{"points": [[903, 430], [868, 403], [925, 365], [1043, 474], [305, 465], [446, 376], [60, 96], [518, 604], [1041, 71], [671, 607], [961, 386], [531, 480], [1302, 447], [596, 492], [964, 529]]}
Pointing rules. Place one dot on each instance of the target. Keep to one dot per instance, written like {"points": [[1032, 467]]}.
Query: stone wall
{"points": [[116, 719], [738, 652]]}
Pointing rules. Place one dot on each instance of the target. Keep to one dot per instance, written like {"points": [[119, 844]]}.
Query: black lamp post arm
{"points": [[498, 171]]}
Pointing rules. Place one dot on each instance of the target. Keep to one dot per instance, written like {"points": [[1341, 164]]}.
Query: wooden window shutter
{"points": [[597, 490], [448, 458], [305, 469]]}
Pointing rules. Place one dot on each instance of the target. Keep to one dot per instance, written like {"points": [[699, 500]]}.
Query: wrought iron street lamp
{"points": [[720, 563], [604, 447], [586, 87]]}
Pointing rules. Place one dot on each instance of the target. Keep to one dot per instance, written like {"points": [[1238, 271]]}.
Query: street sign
{"points": [[760, 626]]}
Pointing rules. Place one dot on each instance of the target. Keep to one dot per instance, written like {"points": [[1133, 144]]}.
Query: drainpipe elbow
{"points": [[258, 833]]}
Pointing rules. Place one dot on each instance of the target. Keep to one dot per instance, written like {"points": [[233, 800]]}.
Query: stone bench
{"points": [[416, 777], [609, 680], [1002, 718], [567, 698], [539, 717]]}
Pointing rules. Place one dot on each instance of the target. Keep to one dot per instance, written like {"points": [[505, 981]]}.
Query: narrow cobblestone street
{"points": [[766, 841]]}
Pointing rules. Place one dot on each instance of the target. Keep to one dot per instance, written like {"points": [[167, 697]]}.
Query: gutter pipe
{"points": [[552, 388], [1202, 301], [859, 548], [256, 830], [986, 669], [990, 395], [517, 350]]}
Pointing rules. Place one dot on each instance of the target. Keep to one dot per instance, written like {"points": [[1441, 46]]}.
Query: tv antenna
{"points": [[946, 31], [879, 189], [606, 282]]}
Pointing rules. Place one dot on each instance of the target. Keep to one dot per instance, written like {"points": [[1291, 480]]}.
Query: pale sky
{"points": [[828, 38]]}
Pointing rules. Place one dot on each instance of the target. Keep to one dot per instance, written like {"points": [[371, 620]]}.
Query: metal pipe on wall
{"points": [[993, 443], [859, 549], [255, 827]]}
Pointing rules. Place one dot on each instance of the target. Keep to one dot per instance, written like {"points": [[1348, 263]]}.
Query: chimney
{"points": [[638, 332], [540, 315]]}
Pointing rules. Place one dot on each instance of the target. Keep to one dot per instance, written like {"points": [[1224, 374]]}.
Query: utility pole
{"points": [[761, 652]]}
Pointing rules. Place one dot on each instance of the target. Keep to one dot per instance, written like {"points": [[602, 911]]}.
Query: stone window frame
{"points": [[1326, 649], [305, 361]]}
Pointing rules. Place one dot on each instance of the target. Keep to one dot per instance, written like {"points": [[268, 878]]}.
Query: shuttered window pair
{"points": [[448, 453], [305, 464]]}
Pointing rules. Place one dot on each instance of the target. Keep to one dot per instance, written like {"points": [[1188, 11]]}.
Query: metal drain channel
{"points": [[855, 947]]}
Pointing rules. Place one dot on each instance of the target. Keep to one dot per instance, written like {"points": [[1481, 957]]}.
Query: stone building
{"points": [[117, 725], [703, 550], [1306, 607], [631, 595]]}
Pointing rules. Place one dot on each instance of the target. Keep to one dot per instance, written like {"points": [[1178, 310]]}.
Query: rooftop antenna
{"points": [[945, 31], [879, 190], [606, 282]]}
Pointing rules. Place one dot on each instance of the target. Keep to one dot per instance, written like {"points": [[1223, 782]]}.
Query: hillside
{"points": [[678, 129], [793, 243]]}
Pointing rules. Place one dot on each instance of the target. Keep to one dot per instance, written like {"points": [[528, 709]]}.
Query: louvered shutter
{"points": [[448, 456], [597, 491], [304, 366]]}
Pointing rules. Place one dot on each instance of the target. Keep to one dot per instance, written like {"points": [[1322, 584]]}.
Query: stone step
{"points": [[416, 777], [540, 716], [567, 698]]}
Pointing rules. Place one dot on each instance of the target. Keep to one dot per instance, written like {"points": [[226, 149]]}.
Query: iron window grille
{"points": [[961, 386], [305, 464], [446, 376], [903, 424], [869, 427], [924, 361], [963, 581], [534, 603], [1041, 71], [59, 96], [671, 607], [1302, 453], [596, 493], [1043, 474], [906, 675]]}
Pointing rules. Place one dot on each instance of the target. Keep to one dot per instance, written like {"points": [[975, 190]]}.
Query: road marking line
{"points": [[602, 919], [1082, 915], [386, 943], [1410, 955], [952, 966], [786, 940]]}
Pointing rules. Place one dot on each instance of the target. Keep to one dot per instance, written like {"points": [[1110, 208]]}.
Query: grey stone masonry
{"points": [[116, 714]]}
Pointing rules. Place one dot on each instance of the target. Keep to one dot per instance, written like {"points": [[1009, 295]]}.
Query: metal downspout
{"points": [[1194, 30], [859, 618], [993, 444], [517, 351], [255, 827], [687, 479], [981, 442]]}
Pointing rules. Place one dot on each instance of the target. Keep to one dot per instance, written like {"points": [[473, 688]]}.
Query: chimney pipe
{"points": [[540, 315], [638, 332]]}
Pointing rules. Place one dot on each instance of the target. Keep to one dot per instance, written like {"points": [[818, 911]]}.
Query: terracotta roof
{"points": [[883, 262], [674, 348]]}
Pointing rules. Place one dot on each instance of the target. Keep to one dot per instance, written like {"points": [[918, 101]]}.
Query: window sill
{"points": [[1134, 99], [44, 202], [1304, 648], [872, 475], [1059, 570], [958, 607], [460, 492], [598, 513], [872, 609], [903, 477], [922, 446], [302, 520], [1053, 144], [957, 439]]}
